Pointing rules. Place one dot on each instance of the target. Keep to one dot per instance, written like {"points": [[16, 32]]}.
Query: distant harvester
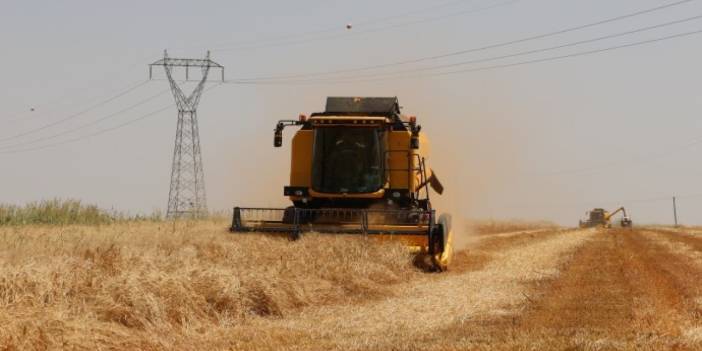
{"points": [[598, 217]]}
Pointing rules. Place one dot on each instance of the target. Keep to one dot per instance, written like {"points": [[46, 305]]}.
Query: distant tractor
{"points": [[598, 217]]}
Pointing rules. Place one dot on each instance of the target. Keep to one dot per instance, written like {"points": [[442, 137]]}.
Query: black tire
{"points": [[442, 243]]}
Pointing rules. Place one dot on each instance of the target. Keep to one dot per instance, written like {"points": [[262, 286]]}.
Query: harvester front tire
{"points": [[443, 259]]}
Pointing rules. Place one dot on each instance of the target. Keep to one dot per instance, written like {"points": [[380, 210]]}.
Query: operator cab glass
{"points": [[347, 160]]}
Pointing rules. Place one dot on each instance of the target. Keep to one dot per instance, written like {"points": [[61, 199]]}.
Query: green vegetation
{"points": [[61, 212]]}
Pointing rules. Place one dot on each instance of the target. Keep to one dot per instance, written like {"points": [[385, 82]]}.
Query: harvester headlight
{"points": [[298, 192], [304, 200], [396, 194]]}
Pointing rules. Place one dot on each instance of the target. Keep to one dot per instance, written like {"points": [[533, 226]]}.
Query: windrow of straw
{"points": [[513, 225]]}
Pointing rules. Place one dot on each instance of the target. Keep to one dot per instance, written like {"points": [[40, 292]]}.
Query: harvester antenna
{"points": [[186, 196]]}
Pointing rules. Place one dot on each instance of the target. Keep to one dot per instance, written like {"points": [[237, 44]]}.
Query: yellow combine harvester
{"points": [[598, 217], [358, 168]]}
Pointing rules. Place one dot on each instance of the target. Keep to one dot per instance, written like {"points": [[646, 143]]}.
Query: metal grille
{"points": [[333, 220]]}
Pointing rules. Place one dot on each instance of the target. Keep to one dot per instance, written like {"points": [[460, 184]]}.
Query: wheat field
{"points": [[156, 285], [160, 286]]}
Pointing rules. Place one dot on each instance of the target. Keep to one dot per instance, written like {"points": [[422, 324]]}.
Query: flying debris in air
{"points": [[31, 109], [349, 26]]}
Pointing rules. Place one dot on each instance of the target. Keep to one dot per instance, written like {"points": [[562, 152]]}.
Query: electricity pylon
{"points": [[187, 193]]}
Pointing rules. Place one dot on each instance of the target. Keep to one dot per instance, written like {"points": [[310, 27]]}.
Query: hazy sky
{"points": [[545, 140]]}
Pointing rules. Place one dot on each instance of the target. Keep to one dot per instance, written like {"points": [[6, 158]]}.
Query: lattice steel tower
{"points": [[187, 193]]}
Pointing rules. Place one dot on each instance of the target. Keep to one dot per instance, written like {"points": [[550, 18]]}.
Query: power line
{"points": [[102, 131], [535, 51], [86, 125], [415, 60], [414, 12], [280, 39], [576, 54], [473, 50], [34, 108], [99, 132], [374, 30], [72, 116], [486, 68]]}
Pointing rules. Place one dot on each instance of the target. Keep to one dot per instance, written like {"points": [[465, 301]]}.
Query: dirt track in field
{"points": [[492, 286], [551, 290], [623, 290]]}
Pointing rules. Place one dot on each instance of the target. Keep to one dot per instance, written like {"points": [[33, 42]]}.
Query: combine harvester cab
{"points": [[597, 217], [358, 168]]}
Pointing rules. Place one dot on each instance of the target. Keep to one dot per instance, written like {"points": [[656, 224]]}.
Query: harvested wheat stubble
{"points": [[692, 231], [408, 320], [146, 286], [680, 243], [621, 291], [483, 249], [515, 233], [686, 247], [680, 262], [494, 227]]}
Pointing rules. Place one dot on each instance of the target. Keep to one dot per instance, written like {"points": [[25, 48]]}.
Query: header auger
{"points": [[358, 168]]}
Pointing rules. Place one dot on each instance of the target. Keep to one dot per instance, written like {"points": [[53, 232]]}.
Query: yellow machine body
{"points": [[359, 167], [402, 162]]}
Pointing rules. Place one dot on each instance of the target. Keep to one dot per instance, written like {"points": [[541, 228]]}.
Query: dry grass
{"points": [[491, 226], [680, 248], [690, 230], [153, 286], [147, 286]]}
